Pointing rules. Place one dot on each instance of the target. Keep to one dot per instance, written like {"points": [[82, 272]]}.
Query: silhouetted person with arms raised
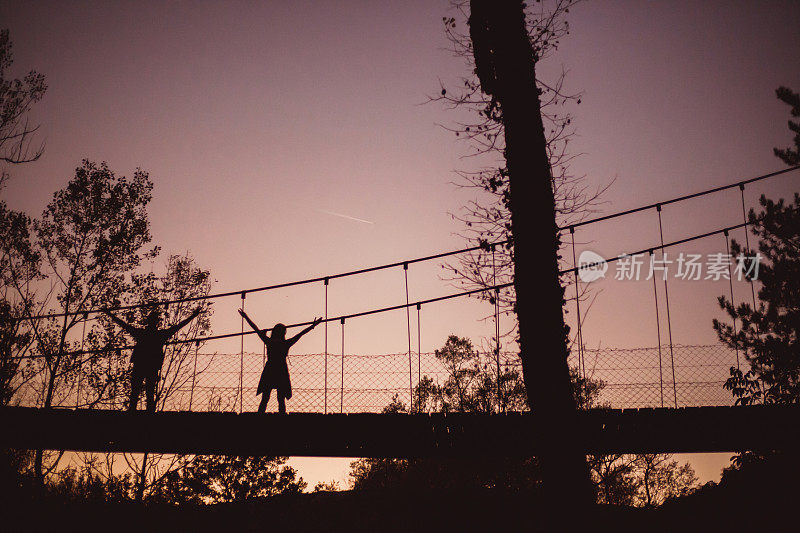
{"points": [[276, 371], [148, 354]]}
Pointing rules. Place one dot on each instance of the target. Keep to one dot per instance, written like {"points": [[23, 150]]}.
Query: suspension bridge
{"points": [[668, 397]]}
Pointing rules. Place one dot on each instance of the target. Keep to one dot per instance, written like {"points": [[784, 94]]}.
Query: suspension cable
{"points": [[427, 301], [482, 246]]}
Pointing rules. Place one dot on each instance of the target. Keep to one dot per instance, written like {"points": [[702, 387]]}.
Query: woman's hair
{"points": [[279, 330]]}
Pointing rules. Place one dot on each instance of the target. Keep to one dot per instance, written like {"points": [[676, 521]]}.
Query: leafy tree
{"points": [[182, 279], [614, 478], [19, 268], [620, 479], [769, 334], [17, 96], [90, 235], [487, 218], [790, 156], [471, 384], [220, 478], [18, 260], [662, 478], [327, 486]]}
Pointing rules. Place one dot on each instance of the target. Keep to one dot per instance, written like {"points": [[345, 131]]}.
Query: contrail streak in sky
{"points": [[345, 216]]}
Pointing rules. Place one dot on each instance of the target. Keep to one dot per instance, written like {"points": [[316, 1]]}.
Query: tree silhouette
{"points": [[221, 478], [182, 279], [769, 335], [487, 219], [790, 156], [19, 261], [620, 479], [90, 235], [505, 63], [19, 270], [470, 386], [16, 99]]}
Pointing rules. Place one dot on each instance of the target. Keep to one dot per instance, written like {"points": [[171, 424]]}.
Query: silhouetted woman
{"points": [[148, 354], [276, 371]]}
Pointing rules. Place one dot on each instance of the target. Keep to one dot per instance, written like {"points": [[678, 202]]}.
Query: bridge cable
{"points": [[581, 362], [730, 283], [658, 334], [325, 411], [666, 296], [83, 338], [419, 356], [194, 374], [421, 302], [408, 323], [482, 246], [747, 243], [341, 391], [241, 361], [685, 197], [500, 406]]}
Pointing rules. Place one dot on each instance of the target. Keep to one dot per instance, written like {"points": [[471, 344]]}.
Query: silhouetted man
{"points": [[148, 354], [276, 371]]}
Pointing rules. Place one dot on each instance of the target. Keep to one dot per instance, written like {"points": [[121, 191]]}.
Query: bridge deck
{"points": [[701, 429]]}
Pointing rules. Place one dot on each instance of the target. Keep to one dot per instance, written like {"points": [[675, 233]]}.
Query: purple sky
{"points": [[255, 121]]}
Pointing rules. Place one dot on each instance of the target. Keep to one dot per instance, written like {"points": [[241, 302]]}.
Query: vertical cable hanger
{"points": [[194, 374], [581, 362], [325, 409], [730, 283], [241, 360], [658, 334], [83, 338], [500, 406], [341, 392], [666, 301], [408, 323], [419, 354], [747, 241]]}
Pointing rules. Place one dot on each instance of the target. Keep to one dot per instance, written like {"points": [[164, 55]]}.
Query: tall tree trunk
{"points": [[505, 64]]}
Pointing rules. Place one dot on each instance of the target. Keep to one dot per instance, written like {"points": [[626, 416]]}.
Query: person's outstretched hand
{"points": [[241, 312]]}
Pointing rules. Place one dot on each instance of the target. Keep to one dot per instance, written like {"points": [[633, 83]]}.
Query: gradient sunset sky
{"points": [[261, 123]]}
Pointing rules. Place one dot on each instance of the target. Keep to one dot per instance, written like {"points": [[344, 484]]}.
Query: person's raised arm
{"points": [[182, 324], [314, 324], [259, 332], [124, 325]]}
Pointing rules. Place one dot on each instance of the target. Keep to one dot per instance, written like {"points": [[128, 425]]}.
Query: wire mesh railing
{"points": [[626, 378]]}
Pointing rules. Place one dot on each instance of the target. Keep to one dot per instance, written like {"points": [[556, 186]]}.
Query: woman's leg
{"points": [[151, 382], [264, 401], [281, 403], [136, 389]]}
